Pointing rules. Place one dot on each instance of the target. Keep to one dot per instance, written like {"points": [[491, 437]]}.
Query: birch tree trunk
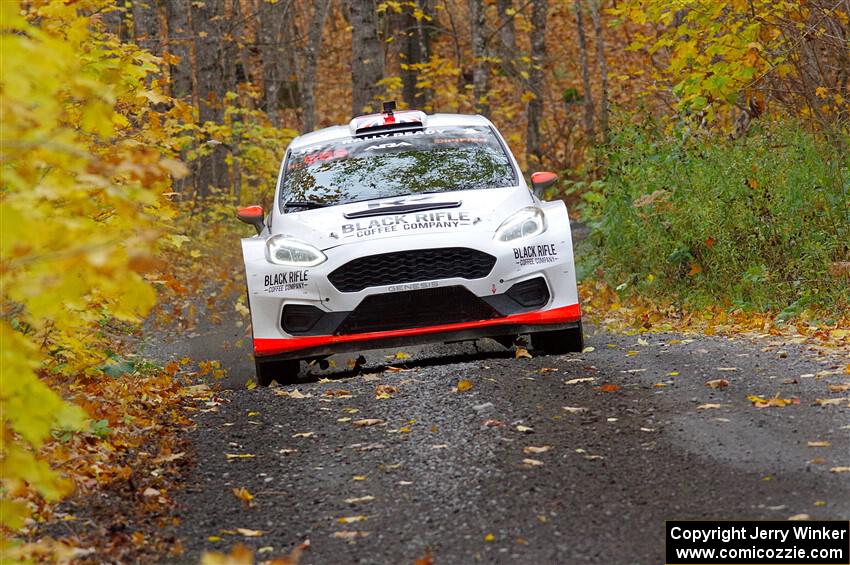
{"points": [[536, 78], [603, 67], [367, 57], [585, 74]]}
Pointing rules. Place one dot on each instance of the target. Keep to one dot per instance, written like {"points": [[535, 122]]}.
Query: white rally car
{"points": [[406, 228]]}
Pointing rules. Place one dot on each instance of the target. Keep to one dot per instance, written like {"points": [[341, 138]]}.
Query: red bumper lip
{"points": [[264, 347]]}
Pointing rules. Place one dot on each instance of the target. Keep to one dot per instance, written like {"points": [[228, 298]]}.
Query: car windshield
{"points": [[432, 160]]}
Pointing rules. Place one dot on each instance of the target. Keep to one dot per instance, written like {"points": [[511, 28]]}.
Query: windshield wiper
{"points": [[309, 204]]}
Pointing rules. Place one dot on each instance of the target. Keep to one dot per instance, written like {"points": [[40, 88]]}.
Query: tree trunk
{"points": [[585, 74], [603, 67], [307, 84], [536, 78], [276, 27], [210, 79], [417, 52], [480, 68], [507, 36], [146, 25], [179, 44], [367, 57]]}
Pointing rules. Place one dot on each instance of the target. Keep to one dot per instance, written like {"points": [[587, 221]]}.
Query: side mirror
{"points": [[541, 181], [252, 215]]}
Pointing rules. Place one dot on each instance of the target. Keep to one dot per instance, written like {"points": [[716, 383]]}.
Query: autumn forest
{"points": [[701, 149]]}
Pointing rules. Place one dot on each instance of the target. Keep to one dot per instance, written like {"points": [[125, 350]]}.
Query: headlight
{"points": [[282, 250], [527, 222]]}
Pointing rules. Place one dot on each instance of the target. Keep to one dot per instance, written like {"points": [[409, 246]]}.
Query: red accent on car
{"points": [[250, 212], [543, 177], [390, 119], [272, 346]]}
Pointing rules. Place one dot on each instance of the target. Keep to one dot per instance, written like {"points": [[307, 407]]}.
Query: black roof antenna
{"points": [[389, 107]]}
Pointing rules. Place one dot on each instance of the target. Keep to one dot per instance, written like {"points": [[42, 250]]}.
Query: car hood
{"points": [[447, 212]]}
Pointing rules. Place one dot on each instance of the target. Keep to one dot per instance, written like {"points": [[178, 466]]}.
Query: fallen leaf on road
{"points": [[440, 446], [343, 420], [151, 492], [673, 374], [360, 500], [463, 385], [839, 388], [250, 533], [574, 409], [352, 519], [405, 483], [532, 462], [198, 390], [819, 444], [246, 497], [522, 353], [383, 392], [350, 535], [287, 451], [548, 370], [170, 458], [401, 356], [717, 383], [524, 429], [608, 388], [817, 461], [775, 402], [641, 341], [393, 370], [426, 559], [489, 537], [367, 422], [493, 423], [840, 469], [590, 457], [579, 380], [358, 478], [532, 450], [351, 410], [799, 517], [588, 349], [304, 434], [708, 406], [831, 401], [241, 455], [726, 369], [338, 393], [292, 394]]}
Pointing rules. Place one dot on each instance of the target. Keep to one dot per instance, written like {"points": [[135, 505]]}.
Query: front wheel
{"points": [[559, 341], [284, 372]]}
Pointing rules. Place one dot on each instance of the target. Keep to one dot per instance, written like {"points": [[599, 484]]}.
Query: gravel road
{"points": [[446, 470]]}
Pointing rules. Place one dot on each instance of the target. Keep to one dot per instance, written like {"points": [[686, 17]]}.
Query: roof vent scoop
{"points": [[388, 121]]}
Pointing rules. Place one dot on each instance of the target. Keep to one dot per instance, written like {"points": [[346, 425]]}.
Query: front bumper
{"points": [[357, 311], [316, 346]]}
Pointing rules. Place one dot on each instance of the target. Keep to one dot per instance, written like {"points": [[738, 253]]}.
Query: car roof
{"points": [[344, 132]]}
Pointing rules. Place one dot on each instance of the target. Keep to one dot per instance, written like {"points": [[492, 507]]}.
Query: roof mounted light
{"points": [[388, 121]]}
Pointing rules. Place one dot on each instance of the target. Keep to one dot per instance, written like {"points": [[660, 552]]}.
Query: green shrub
{"points": [[756, 222]]}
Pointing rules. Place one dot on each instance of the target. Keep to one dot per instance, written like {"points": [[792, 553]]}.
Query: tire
{"points": [[284, 372], [570, 340]]}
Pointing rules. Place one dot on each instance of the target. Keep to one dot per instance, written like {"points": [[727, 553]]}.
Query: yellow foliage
{"points": [[80, 206]]}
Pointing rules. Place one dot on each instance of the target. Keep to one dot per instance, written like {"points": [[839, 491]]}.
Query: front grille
{"points": [[419, 265], [415, 309]]}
